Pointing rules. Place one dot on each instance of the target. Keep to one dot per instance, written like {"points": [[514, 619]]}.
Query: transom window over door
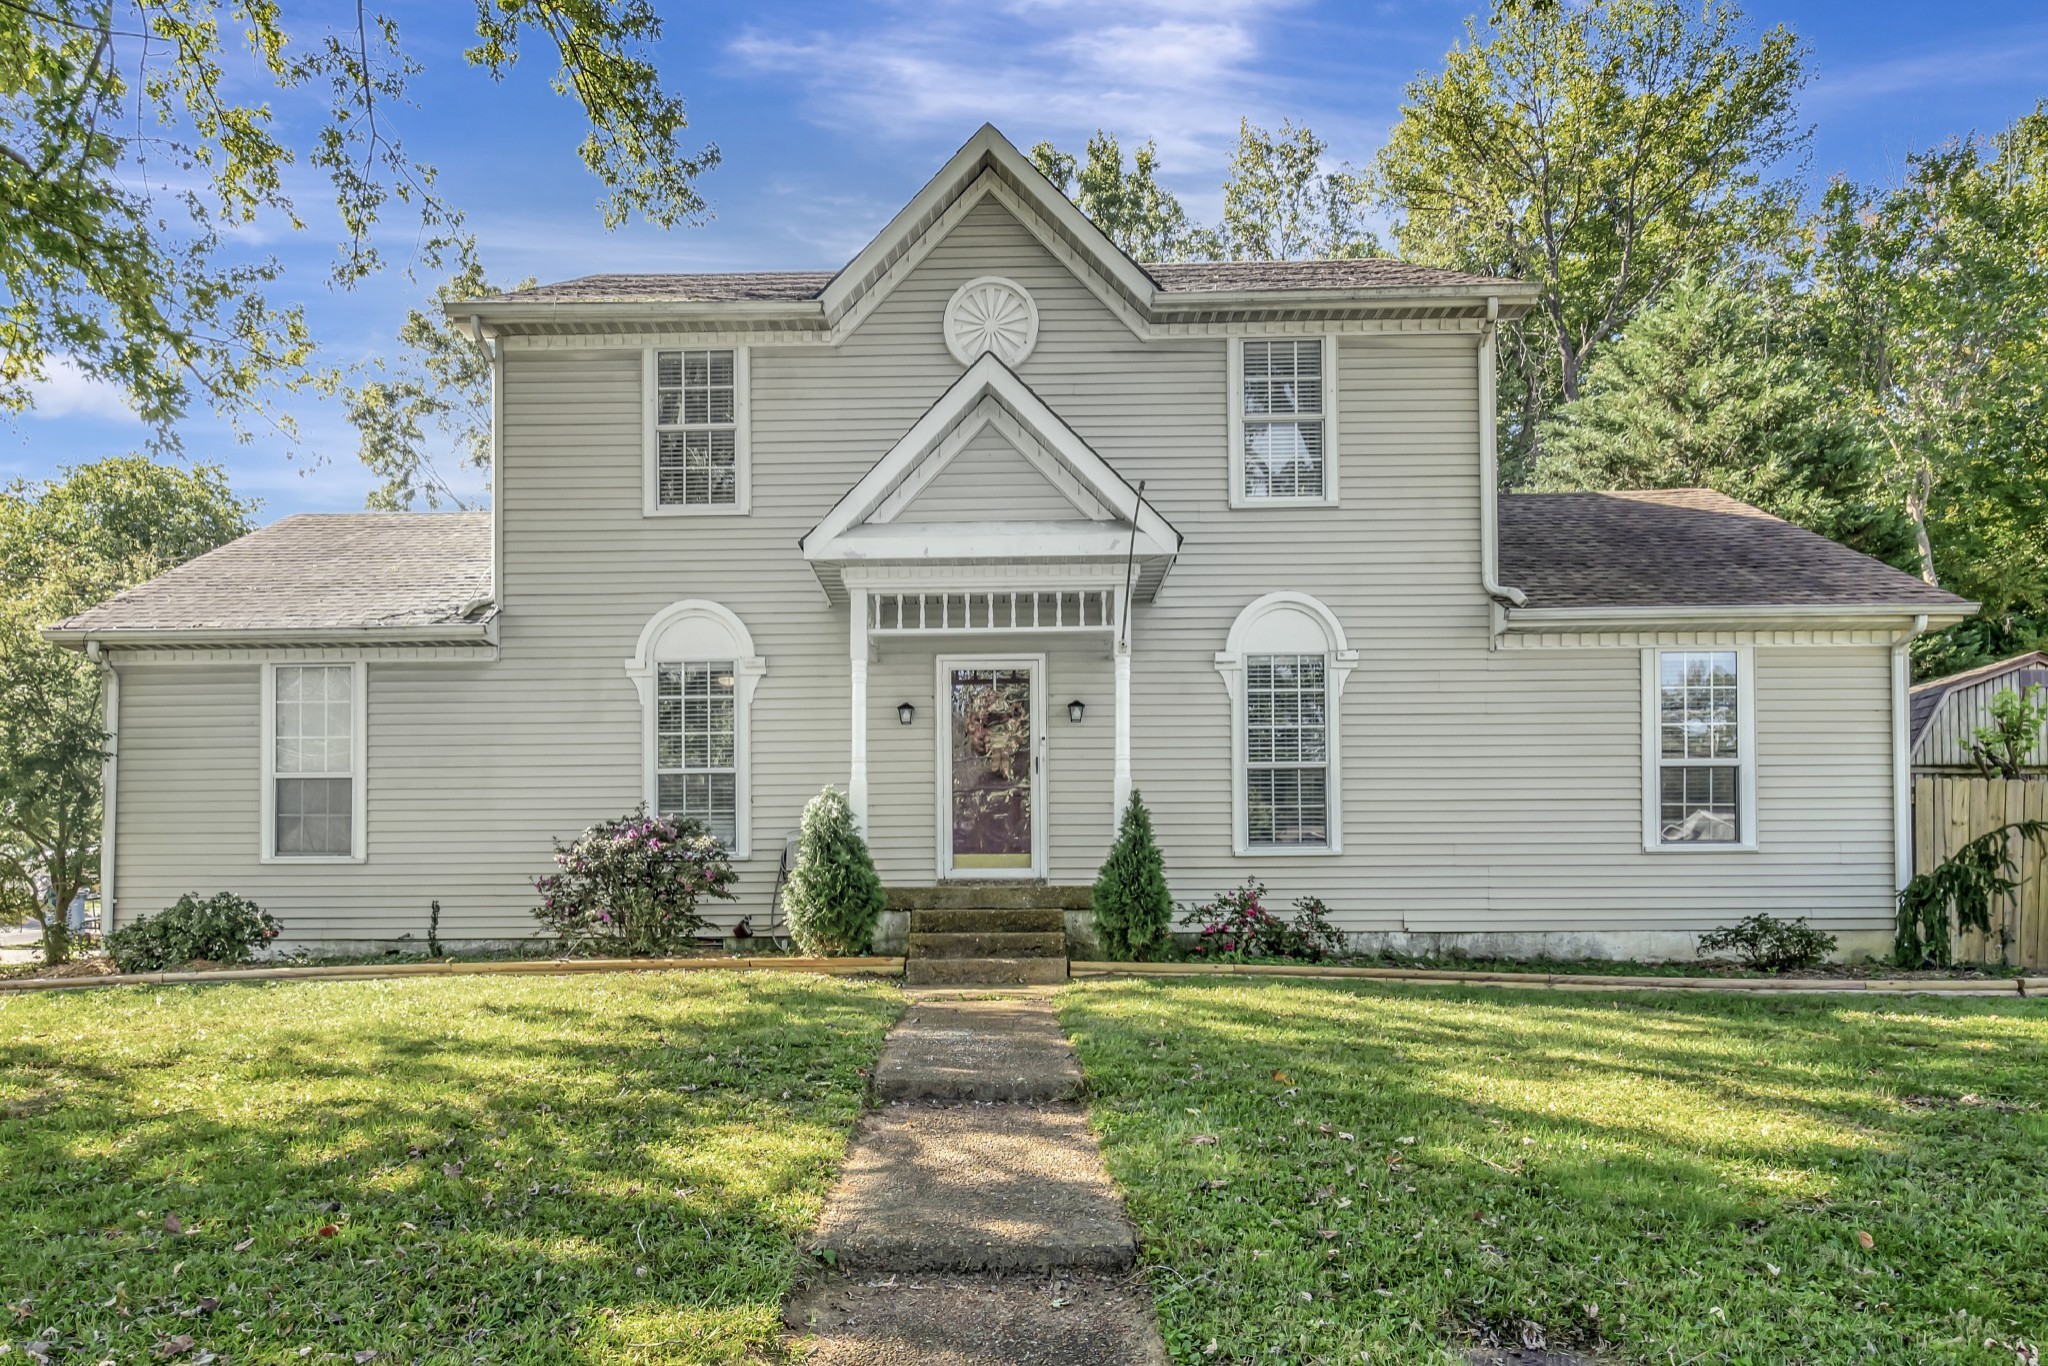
{"points": [[1282, 421], [313, 761], [697, 430], [1700, 775], [697, 752], [1287, 756]]}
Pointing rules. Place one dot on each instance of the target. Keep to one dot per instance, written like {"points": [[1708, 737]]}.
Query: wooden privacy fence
{"points": [[1950, 810]]}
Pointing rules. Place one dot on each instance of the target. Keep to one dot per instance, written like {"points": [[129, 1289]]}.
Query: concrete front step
{"points": [[989, 972], [1010, 1188], [989, 921], [1000, 1051], [1003, 894], [1057, 1320], [989, 945]]}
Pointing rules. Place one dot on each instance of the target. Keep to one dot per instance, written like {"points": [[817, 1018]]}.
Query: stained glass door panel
{"points": [[991, 749]]}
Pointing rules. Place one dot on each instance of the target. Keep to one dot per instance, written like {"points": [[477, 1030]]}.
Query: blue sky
{"points": [[830, 115]]}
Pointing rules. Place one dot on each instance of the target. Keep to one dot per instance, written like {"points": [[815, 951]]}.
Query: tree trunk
{"points": [[57, 937], [1916, 509]]}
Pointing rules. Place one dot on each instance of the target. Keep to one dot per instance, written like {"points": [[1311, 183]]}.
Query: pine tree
{"points": [[834, 896], [1133, 910]]}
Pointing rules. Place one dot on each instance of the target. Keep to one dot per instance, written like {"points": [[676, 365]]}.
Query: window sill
{"points": [[1288, 850], [1702, 847], [1242, 501], [708, 510], [330, 859]]}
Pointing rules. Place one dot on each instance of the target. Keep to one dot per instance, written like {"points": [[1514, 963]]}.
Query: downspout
{"points": [[1497, 593], [110, 769], [476, 325], [1902, 756]]}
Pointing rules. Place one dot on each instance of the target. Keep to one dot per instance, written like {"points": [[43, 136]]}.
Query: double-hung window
{"points": [[696, 744], [1283, 421], [1287, 753], [313, 759], [1699, 778], [696, 443]]}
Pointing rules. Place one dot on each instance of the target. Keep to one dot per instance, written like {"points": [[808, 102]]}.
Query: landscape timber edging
{"points": [[830, 967], [2015, 986]]}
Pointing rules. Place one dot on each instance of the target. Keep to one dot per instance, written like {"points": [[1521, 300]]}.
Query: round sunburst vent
{"points": [[991, 314]]}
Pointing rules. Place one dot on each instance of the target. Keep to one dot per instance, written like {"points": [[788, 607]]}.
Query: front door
{"points": [[991, 768]]}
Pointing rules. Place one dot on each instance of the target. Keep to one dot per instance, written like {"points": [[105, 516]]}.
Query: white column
{"points": [[857, 649], [1123, 732]]}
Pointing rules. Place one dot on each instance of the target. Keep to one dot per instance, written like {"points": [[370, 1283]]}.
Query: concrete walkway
{"points": [[973, 1223]]}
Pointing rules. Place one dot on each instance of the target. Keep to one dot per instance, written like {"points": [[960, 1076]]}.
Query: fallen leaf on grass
{"points": [[1281, 1077], [1864, 1240], [244, 1245], [327, 1231], [174, 1347], [1214, 1183], [1203, 1140], [173, 1224], [364, 1357]]}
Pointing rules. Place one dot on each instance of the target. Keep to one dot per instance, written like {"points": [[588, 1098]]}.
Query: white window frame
{"points": [[696, 631], [359, 780], [1238, 497], [651, 429], [1286, 623], [1746, 841]]}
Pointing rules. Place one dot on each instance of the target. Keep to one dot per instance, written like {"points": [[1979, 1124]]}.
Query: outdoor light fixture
{"points": [[904, 712], [1076, 709]]}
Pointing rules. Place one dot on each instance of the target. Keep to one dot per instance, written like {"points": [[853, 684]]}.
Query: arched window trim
{"points": [[651, 653], [1339, 660]]}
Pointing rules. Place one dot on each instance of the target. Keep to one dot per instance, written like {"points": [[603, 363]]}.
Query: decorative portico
{"points": [[920, 550]]}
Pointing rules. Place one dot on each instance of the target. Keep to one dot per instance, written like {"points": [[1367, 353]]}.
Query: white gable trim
{"points": [[989, 164], [927, 447], [987, 414]]}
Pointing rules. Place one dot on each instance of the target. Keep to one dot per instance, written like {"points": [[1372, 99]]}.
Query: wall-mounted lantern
{"points": [[1076, 709], [905, 713]]}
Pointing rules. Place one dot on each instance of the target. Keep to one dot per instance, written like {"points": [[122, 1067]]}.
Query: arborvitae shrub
{"points": [[834, 896], [1133, 910]]}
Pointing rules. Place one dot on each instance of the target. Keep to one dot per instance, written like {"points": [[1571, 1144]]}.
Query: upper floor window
{"points": [[1699, 774], [1283, 420], [313, 754], [696, 440]]}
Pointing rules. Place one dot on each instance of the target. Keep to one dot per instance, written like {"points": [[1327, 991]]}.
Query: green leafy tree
{"points": [[425, 416], [1707, 388], [1602, 151], [1927, 299], [1122, 198], [834, 896], [64, 545], [142, 142], [1133, 909], [1283, 202], [2003, 747]]}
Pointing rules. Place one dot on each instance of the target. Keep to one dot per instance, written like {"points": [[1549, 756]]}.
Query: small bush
{"points": [[1133, 909], [1770, 944], [1237, 927], [834, 895], [222, 928], [633, 884]]}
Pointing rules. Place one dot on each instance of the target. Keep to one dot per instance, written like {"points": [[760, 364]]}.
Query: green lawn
{"points": [[483, 1169], [1335, 1173]]}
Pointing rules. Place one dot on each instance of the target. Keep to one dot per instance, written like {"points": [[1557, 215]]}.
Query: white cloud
{"points": [[2009, 58], [68, 392], [1180, 73]]}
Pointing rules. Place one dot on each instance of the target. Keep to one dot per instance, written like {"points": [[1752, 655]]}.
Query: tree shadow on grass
{"points": [[529, 1169]]}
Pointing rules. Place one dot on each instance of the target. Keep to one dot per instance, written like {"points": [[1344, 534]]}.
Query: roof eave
{"points": [[513, 311], [1741, 616], [1511, 296], [188, 637]]}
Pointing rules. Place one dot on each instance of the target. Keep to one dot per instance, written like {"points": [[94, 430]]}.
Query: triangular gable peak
{"points": [[989, 166], [868, 524]]}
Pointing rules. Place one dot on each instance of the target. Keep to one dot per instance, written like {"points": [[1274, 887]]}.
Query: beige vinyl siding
{"points": [[990, 478], [1483, 790]]}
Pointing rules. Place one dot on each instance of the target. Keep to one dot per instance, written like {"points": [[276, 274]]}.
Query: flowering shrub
{"points": [[1238, 927], [222, 928], [633, 883]]}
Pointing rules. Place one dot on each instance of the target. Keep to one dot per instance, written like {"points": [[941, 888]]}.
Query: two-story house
{"points": [[990, 527]]}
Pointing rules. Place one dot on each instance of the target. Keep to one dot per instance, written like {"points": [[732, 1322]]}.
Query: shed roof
{"points": [[2031, 667], [1691, 548], [316, 571]]}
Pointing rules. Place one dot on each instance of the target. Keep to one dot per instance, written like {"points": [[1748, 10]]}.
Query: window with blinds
{"points": [[1282, 420], [699, 456], [696, 749], [312, 761], [1287, 753]]}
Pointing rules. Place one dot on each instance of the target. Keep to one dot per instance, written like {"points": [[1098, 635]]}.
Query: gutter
{"points": [[457, 632], [1745, 616], [1497, 592]]}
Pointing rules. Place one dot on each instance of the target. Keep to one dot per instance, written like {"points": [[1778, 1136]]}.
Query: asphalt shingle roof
{"points": [[1687, 548], [317, 570], [1178, 277]]}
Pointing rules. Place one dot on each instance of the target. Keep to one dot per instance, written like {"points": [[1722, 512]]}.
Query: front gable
{"points": [[989, 471]]}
